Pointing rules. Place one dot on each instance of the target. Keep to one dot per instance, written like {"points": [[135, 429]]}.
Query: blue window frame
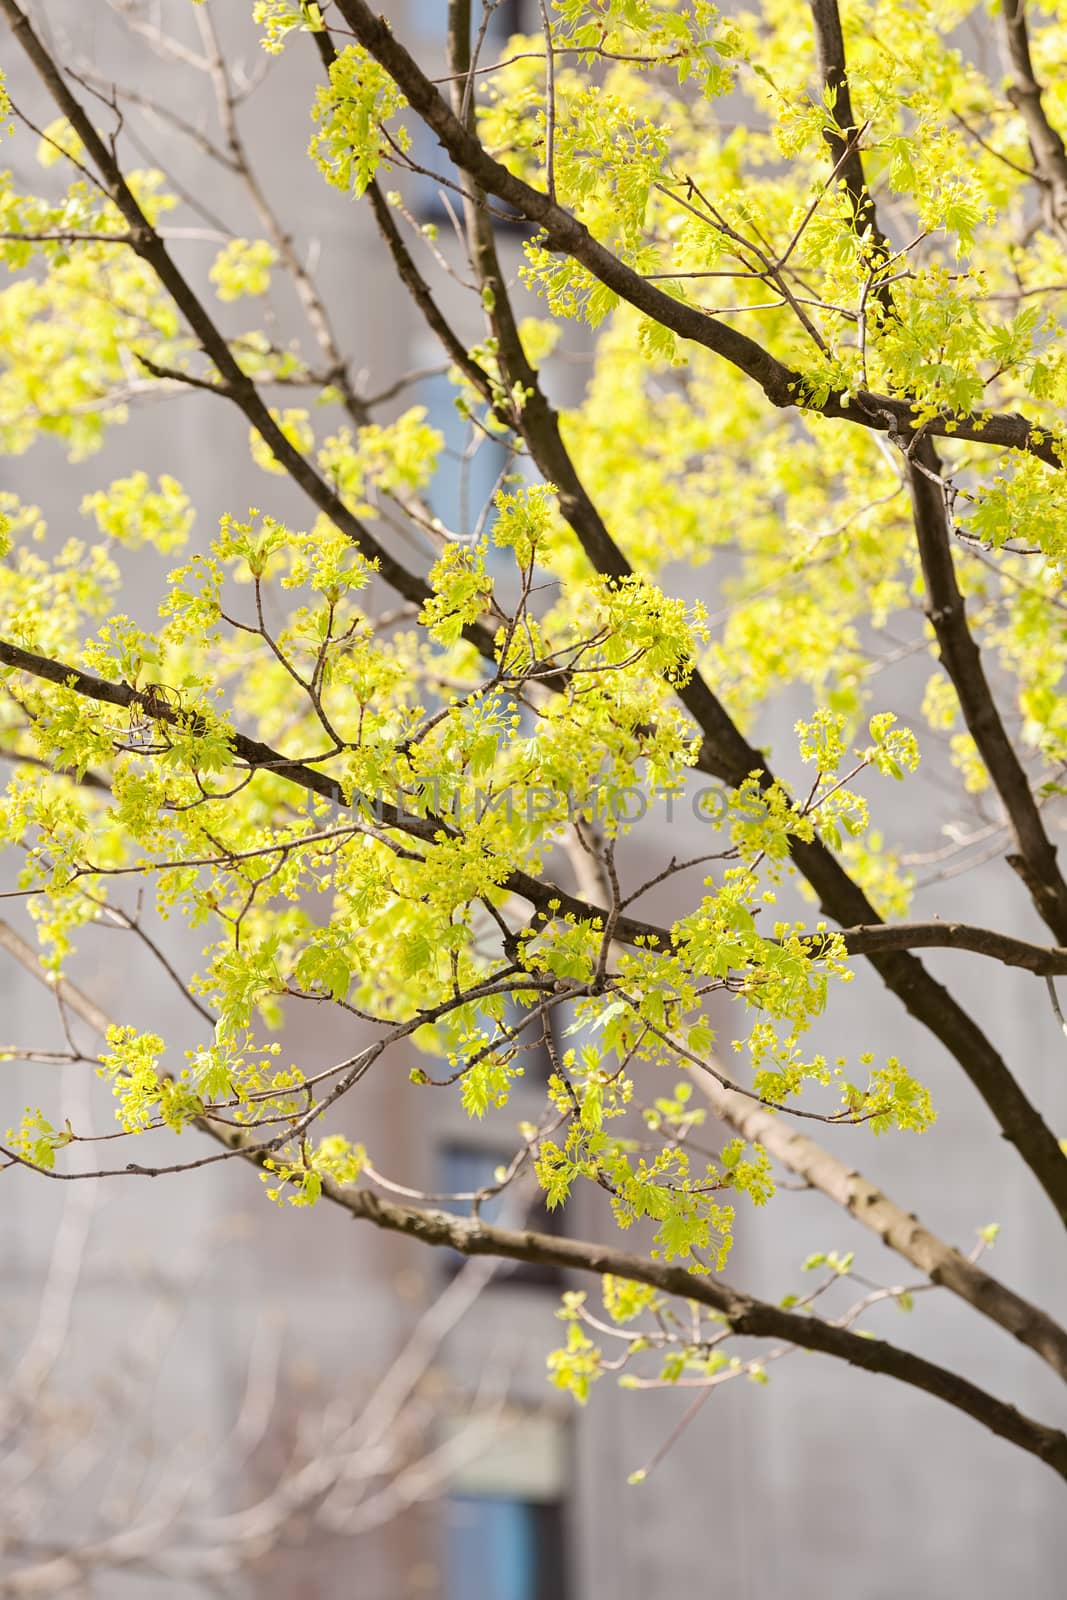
{"points": [[508, 17], [469, 471], [470, 465], [496, 1548], [464, 1169]]}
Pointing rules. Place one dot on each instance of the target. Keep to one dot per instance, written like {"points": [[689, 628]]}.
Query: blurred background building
{"points": [[828, 1482]]}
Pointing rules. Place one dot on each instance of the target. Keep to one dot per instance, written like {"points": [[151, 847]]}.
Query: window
{"points": [[466, 1168], [498, 1548], [508, 17], [470, 465], [469, 472]]}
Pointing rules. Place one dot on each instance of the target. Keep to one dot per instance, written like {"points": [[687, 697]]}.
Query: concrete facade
{"points": [[830, 1483]]}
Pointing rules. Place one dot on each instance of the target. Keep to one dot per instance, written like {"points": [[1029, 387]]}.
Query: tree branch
{"points": [[1044, 960], [1020, 1122], [844, 150], [899, 1230], [146, 241], [535, 419], [548, 901], [742, 1313], [1036, 861], [726, 753], [781, 384], [1050, 157]]}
